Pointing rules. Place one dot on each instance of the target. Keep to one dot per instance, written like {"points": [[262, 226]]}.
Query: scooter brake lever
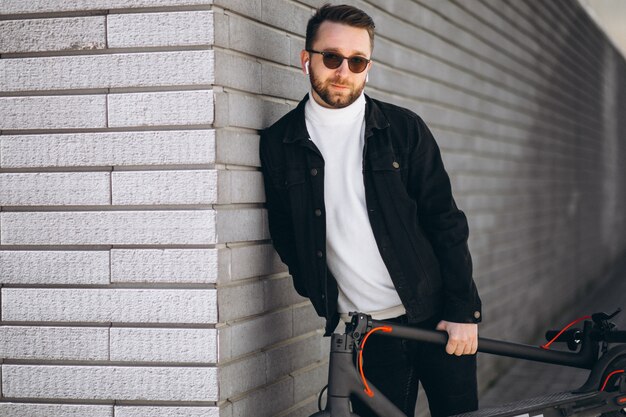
{"points": [[599, 317]]}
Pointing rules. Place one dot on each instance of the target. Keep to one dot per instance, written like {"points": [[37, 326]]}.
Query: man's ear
{"points": [[367, 74], [304, 61]]}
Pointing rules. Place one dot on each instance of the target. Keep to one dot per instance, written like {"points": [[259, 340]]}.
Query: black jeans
{"points": [[395, 366]]}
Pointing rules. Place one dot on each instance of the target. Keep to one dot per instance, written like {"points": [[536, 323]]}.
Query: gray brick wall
{"points": [[136, 273]]}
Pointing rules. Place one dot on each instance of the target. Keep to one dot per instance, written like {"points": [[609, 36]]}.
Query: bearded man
{"points": [[361, 210]]}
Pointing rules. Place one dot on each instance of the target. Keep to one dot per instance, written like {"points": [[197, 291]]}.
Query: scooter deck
{"points": [[546, 405]]}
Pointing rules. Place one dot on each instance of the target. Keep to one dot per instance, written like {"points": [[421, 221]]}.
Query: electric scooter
{"points": [[603, 393]]}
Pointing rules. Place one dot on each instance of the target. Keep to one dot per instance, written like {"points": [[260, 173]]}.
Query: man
{"points": [[361, 211]]}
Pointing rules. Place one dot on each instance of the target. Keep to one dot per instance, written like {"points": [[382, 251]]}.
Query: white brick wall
{"points": [[155, 69], [53, 34], [116, 149], [110, 382], [109, 192], [135, 261]]}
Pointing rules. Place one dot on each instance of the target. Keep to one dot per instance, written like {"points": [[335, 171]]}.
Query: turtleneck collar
{"points": [[327, 116]]}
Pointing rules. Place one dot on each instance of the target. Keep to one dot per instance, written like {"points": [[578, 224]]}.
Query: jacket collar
{"points": [[296, 131]]}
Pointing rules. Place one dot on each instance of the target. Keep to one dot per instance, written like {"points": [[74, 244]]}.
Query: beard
{"points": [[336, 99]]}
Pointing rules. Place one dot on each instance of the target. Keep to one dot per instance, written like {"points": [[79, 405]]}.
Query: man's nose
{"points": [[343, 69]]}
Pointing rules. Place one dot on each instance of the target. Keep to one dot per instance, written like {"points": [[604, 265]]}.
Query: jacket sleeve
{"points": [[279, 216], [445, 227]]}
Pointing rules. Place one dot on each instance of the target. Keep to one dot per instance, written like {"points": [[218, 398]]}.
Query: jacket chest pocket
{"points": [[287, 178], [294, 177], [388, 165]]}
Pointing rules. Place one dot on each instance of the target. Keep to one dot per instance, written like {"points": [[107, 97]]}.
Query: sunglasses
{"points": [[332, 60]]}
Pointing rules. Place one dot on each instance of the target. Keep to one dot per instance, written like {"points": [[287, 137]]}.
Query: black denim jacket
{"points": [[420, 233]]}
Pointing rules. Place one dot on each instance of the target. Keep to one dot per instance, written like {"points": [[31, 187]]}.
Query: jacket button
{"points": [[320, 254], [314, 172], [318, 212], [396, 165], [476, 315], [323, 296]]}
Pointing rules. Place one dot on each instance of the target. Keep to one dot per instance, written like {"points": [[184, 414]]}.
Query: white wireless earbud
{"points": [[367, 77], [306, 67]]}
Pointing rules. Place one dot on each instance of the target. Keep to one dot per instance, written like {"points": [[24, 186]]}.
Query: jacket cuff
{"points": [[457, 311]]}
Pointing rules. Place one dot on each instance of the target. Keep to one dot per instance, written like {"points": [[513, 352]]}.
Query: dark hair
{"points": [[345, 14]]}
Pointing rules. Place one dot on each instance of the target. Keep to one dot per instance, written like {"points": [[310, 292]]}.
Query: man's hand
{"points": [[462, 337]]}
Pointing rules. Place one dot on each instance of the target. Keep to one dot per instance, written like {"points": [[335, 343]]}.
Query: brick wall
{"points": [[135, 264], [110, 240]]}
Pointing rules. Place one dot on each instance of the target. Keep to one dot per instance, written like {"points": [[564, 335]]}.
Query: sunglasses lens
{"points": [[357, 64], [332, 61]]}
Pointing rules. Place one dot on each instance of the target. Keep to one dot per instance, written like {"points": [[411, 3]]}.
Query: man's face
{"points": [[339, 87]]}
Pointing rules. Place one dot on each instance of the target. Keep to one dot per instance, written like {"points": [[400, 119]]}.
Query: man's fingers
{"points": [[451, 347], [461, 347], [462, 337]]}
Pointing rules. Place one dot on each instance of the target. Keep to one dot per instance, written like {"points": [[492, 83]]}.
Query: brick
{"points": [[57, 34], [310, 380], [54, 343], [110, 383], [253, 38], [237, 186], [237, 148], [284, 82], [238, 225], [164, 345], [220, 28], [255, 260], [234, 109], [54, 189], [250, 8], [41, 6], [166, 411], [237, 301], [305, 319], [139, 30], [164, 265], [54, 267], [108, 149], [164, 187], [242, 375], [108, 228], [279, 293], [315, 3], [165, 108], [304, 409], [296, 45], [293, 355], [154, 69], [238, 72], [224, 342], [53, 112], [293, 17], [109, 305], [260, 332], [21, 409], [265, 402]]}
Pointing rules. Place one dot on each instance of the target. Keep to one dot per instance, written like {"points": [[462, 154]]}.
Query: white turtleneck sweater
{"points": [[351, 251]]}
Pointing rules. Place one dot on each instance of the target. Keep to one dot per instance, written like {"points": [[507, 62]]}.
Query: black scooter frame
{"points": [[588, 400]]}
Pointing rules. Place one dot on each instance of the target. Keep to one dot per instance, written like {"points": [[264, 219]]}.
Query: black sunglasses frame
{"points": [[327, 55]]}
